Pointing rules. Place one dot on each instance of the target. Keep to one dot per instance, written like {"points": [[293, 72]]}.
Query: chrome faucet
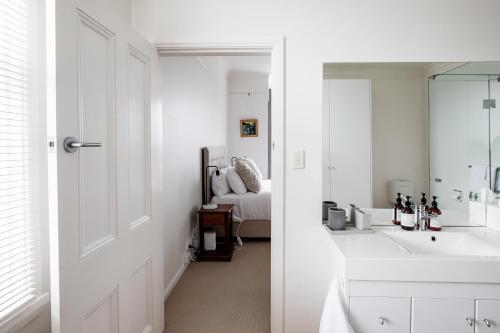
{"points": [[422, 218]]}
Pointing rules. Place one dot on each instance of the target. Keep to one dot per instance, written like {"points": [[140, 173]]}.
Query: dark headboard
{"points": [[211, 156]]}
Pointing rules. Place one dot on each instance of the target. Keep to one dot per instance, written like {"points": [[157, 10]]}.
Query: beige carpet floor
{"points": [[222, 297]]}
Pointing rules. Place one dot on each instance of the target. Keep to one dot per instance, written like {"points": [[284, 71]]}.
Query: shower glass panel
{"points": [[464, 142], [495, 134]]}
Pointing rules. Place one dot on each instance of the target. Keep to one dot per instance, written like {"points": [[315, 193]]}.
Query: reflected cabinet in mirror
{"points": [[419, 129]]}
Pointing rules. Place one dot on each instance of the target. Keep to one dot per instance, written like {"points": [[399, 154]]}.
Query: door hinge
{"points": [[489, 103]]}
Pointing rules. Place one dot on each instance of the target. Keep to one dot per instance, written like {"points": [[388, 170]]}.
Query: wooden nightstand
{"points": [[207, 220]]}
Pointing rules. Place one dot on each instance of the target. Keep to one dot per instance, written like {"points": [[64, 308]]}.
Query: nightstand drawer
{"points": [[212, 219]]}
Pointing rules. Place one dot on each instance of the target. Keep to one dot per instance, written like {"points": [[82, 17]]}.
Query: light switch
{"points": [[299, 159]]}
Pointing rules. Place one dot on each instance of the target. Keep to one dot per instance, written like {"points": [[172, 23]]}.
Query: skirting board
{"points": [[171, 285]]}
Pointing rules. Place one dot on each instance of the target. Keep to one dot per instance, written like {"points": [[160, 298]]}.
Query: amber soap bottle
{"points": [[435, 212], [398, 207], [408, 216]]}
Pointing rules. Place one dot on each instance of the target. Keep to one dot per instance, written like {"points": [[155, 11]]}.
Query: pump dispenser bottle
{"points": [[435, 212], [398, 207], [423, 201], [408, 216]]}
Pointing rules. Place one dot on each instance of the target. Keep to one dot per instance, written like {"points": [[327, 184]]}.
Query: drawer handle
{"points": [[381, 320], [487, 322], [469, 320]]}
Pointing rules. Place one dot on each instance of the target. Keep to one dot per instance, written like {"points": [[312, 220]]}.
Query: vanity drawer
{"points": [[487, 316], [435, 315], [380, 314]]}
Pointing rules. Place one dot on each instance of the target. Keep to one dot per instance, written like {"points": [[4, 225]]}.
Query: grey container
{"points": [[327, 205], [336, 218]]}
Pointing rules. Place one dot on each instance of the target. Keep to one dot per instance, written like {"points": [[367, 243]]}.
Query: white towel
{"points": [[334, 318], [478, 177]]}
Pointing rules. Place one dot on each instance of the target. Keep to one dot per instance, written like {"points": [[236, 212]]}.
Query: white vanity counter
{"points": [[420, 281], [455, 254]]}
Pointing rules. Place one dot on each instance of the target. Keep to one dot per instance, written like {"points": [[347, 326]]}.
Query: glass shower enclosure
{"points": [[464, 137]]}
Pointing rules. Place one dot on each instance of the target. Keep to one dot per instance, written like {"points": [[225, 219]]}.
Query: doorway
{"points": [[276, 52]]}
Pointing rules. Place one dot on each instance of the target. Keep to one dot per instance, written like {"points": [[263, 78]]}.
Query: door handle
{"points": [[71, 145], [469, 320], [487, 323], [438, 180]]}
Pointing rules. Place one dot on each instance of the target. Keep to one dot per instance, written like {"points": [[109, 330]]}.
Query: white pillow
{"points": [[252, 164], [249, 176], [220, 185], [235, 182]]}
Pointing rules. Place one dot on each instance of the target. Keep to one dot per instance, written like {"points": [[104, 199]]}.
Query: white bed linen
{"points": [[249, 206]]}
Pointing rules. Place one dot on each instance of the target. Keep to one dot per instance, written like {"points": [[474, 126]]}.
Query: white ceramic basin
{"points": [[445, 243]]}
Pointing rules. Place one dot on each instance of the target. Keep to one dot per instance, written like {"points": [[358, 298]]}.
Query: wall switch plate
{"points": [[299, 159]]}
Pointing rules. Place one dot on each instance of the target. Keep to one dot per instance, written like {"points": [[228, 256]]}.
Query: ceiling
{"points": [[257, 64], [492, 67]]}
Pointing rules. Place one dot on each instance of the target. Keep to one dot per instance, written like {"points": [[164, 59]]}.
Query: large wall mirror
{"points": [[413, 128]]}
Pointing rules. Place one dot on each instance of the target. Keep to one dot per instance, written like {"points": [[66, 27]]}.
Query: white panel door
{"points": [[106, 263], [350, 142], [380, 314], [487, 316], [432, 315]]}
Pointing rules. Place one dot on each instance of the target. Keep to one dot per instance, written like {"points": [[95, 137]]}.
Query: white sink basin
{"points": [[445, 243]]}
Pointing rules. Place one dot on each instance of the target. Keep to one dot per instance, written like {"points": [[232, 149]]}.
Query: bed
{"points": [[252, 211]]}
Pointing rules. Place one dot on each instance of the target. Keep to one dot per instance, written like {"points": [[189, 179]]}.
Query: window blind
{"points": [[17, 241]]}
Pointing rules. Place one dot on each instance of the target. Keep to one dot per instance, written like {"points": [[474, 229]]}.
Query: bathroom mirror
{"points": [[414, 128]]}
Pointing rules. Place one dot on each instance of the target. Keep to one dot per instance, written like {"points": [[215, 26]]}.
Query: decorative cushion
{"points": [[235, 182], [251, 179], [220, 185], [252, 164]]}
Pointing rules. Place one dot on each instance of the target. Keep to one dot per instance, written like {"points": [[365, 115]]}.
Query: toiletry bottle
{"points": [[423, 201], [435, 212], [398, 207], [408, 216]]}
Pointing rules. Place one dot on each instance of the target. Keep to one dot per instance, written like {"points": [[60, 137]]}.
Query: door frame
{"points": [[276, 50]]}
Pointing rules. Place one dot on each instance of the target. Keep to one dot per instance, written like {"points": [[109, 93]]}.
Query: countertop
{"points": [[375, 256]]}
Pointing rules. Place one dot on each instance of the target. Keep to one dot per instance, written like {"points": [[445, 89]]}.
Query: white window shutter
{"points": [[17, 242]]}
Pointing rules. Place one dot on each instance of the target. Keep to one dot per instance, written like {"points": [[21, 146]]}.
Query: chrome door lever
{"points": [[71, 145]]}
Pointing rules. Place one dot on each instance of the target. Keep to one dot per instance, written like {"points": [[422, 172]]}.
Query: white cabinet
{"points": [[347, 137], [432, 315], [487, 316], [380, 314], [376, 314]]}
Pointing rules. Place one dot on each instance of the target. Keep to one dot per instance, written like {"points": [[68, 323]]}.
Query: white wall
{"points": [[243, 106], [319, 31], [195, 116], [399, 124]]}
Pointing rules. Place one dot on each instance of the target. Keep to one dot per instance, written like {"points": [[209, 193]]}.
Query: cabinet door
{"points": [[487, 314], [380, 314], [432, 315]]}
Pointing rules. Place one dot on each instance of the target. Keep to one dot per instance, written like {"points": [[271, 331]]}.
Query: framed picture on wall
{"points": [[249, 128]]}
